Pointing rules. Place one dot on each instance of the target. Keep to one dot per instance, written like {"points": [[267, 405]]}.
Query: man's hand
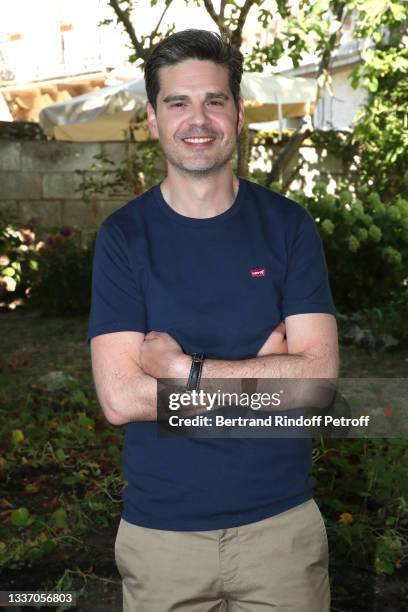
{"points": [[276, 342], [162, 357]]}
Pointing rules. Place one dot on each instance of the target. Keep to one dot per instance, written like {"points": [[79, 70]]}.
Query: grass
{"points": [[33, 346], [66, 470]]}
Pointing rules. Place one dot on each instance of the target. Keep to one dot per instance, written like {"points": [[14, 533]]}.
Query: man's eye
{"points": [[212, 102]]}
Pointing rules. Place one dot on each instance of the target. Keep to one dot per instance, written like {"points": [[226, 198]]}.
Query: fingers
{"points": [[284, 347], [281, 328], [162, 336], [153, 335]]}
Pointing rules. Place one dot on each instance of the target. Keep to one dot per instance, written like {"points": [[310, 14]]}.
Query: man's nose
{"points": [[199, 113]]}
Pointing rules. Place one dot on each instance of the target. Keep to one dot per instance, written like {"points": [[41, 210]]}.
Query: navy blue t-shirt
{"points": [[217, 286]]}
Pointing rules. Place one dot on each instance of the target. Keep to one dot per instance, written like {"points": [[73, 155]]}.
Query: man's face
{"points": [[194, 100]]}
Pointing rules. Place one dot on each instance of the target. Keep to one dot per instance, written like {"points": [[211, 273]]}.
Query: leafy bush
{"points": [[17, 258], [52, 275], [366, 243], [362, 493], [60, 470], [142, 167], [380, 130], [62, 282], [385, 325]]}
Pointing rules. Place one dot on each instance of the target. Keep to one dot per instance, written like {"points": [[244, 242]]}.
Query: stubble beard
{"points": [[223, 157]]}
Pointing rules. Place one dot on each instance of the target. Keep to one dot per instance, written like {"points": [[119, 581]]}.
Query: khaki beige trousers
{"points": [[279, 563]]}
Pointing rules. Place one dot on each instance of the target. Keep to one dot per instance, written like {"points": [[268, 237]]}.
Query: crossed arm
{"points": [[126, 365]]}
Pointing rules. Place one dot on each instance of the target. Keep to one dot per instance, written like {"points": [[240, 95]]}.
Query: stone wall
{"points": [[38, 180]]}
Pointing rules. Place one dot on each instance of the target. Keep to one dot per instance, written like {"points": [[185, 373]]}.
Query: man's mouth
{"points": [[199, 141]]}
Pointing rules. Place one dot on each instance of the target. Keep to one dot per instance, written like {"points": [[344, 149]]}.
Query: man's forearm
{"points": [[136, 399], [312, 380], [133, 399], [272, 366]]}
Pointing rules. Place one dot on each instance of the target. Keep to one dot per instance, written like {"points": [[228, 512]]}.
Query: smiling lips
{"points": [[199, 141]]}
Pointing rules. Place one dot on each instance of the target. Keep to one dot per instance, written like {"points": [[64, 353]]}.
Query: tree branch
{"points": [[295, 141], [123, 17], [288, 151], [218, 19], [153, 34], [323, 68], [236, 38]]}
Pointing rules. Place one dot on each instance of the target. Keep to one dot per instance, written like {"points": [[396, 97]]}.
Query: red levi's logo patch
{"points": [[256, 272]]}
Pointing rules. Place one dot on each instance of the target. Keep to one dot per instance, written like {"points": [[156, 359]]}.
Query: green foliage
{"points": [[365, 242], [362, 493], [139, 170], [52, 275], [60, 480], [376, 18], [61, 284], [21, 517], [67, 470], [316, 27], [17, 258], [390, 318], [381, 129], [59, 518]]}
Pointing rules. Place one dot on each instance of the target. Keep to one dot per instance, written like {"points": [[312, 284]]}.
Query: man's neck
{"points": [[200, 198]]}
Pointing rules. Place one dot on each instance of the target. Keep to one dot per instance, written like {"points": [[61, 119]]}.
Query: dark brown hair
{"points": [[192, 44]]}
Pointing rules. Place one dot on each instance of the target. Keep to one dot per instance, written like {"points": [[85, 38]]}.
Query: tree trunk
{"points": [[243, 152], [288, 152]]}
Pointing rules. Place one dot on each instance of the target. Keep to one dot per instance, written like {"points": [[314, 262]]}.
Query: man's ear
{"points": [[151, 121]]}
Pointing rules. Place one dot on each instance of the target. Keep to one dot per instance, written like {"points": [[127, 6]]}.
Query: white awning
{"points": [[108, 113]]}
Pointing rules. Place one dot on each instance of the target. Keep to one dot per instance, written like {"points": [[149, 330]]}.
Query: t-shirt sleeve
{"points": [[117, 302], [307, 288]]}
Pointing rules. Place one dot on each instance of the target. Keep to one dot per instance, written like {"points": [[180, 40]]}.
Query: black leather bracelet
{"points": [[193, 383]]}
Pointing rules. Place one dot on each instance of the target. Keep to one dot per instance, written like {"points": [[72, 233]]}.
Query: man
{"points": [[209, 263]]}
